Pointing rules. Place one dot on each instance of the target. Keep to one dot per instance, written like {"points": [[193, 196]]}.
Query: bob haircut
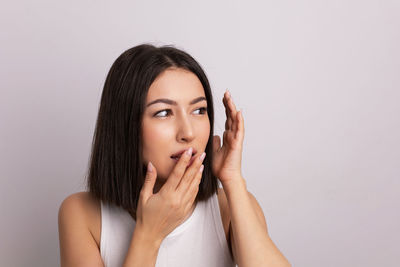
{"points": [[116, 170]]}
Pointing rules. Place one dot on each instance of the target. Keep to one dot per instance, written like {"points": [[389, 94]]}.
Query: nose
{"points": [[185, 131]]}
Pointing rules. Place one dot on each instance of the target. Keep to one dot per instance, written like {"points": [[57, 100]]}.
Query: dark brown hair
{"points": [[116, 170]]}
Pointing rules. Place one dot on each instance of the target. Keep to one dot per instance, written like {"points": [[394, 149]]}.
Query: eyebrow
{"points": [[172, 102]]}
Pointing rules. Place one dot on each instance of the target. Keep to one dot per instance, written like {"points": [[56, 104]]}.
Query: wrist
{"points": [[141, 236], [143, 249], [237, 183]]}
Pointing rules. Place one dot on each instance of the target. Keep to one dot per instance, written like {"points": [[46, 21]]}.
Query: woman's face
{"points": [[175, 118]]}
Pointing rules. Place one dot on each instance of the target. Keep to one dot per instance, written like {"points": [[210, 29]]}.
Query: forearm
{"points": [[253, 245], [143, 250]]}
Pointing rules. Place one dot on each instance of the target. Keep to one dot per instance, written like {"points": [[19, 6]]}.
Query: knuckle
{"points": [[192, 174], [174, 203], [186, 158], [185, 180], [195, 165], [176, 171], [193, 170], [195, 184], [163, 192], [147, 179], [198, 176], [198, 161]]}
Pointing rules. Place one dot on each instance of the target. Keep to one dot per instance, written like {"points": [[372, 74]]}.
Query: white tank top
{"points": [[198, 242]]}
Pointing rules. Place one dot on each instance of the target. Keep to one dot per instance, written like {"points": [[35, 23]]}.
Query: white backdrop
{"points": [[318, 82]]}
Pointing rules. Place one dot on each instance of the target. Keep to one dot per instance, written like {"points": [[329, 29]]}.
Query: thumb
{"points": [[149, 181]]}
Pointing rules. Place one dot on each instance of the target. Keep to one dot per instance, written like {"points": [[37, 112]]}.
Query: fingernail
{"points": [[229, 94], [201, 168], [203, 156], [149, 167], [189, 151]]}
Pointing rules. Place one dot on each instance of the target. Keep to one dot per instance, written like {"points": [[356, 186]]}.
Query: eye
{"points": [[203, 110], [165, 112]]}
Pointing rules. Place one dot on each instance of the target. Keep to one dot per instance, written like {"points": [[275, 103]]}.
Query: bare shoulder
{"points": [[78, 226], [83, 205], [81, 199]]}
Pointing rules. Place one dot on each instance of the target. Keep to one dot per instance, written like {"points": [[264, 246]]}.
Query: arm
{"points": [[251, 244], [143, 250], [159, 214], [77, 245]]}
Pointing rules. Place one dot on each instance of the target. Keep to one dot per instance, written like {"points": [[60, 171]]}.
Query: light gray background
{"points": [[318, 82]]}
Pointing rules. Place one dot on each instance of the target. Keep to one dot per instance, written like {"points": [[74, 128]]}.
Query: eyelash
{"points": [[203, 110]]}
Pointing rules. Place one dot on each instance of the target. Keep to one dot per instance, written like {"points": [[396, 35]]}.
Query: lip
{"points": [[190, 162], [178, 154]]}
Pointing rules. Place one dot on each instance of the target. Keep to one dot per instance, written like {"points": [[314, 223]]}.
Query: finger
{"points": [[149, 181], [194, 187], [240, 131], [231, 110], [178, 171], [190, 174], [233, 113], [225, 101], [228, 122]]}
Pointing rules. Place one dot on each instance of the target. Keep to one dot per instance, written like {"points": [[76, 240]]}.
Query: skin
{"points": [[160, 213], [251, 243], [167, 196], [184, 125]]}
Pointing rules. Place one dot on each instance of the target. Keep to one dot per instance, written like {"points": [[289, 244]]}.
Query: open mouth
{"points": [[177, 156]]}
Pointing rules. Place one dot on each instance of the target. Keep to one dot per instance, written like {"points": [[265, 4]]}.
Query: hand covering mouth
{"points": [[178, 154]]}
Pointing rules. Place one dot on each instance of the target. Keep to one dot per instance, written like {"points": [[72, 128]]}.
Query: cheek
{"points": [[204, 131], [155, 139]]}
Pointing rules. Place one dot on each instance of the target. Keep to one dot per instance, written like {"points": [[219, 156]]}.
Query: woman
{"points": [[153, 197]]}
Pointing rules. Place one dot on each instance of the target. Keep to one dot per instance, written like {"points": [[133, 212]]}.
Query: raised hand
{"points": [[159, 214], [227, 159]]}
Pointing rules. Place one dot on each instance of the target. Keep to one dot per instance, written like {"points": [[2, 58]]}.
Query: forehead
{"points": [[176, 84]]}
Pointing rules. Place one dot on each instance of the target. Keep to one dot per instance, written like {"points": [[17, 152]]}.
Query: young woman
{"points": [[153, 197]]}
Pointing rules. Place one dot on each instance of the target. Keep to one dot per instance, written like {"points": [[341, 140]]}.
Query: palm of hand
{"points": [[227, 159]]}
